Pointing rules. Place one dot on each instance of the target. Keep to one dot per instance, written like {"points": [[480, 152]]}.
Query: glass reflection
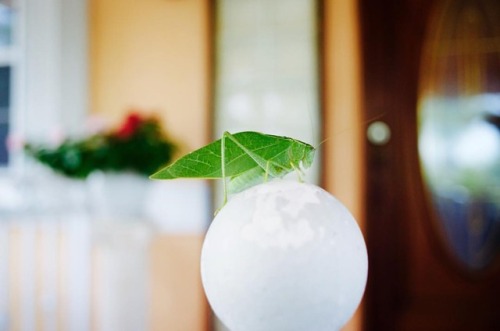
{"points": [[460, 150], [6, 18]]}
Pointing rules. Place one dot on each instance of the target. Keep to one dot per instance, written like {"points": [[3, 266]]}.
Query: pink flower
{"points": [[14, 142], [56, 136], [95, 124]]}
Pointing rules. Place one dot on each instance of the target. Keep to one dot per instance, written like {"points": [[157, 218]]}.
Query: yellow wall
{"points": [[152, 55]]}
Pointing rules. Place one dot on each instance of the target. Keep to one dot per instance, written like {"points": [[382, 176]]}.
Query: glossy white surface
{"points": [[284, 256]]}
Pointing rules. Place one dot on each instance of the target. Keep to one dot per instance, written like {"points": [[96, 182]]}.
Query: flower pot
{"points": [[117, 196]]}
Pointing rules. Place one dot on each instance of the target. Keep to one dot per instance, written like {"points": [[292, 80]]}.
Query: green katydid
{"points": [[246, 158]]}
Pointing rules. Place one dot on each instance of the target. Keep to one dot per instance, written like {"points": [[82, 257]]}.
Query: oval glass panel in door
{"points": [[459, 127]]}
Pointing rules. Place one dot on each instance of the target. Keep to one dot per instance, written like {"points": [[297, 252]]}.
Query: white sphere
{"points": [[284, 256]]}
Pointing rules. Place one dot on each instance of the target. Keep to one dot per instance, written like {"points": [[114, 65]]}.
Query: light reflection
{"points": [[477, 147], [460, 153]]}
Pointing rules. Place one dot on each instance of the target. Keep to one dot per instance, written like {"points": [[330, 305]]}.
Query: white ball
{"points": [[284, 256]]}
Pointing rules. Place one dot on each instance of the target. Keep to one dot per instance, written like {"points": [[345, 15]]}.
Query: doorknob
{"points": [[378, 133]]}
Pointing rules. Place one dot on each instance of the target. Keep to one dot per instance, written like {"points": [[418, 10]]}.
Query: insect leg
{"points": [[297, 168], [223, 165], [266, 174], [298, 171]]}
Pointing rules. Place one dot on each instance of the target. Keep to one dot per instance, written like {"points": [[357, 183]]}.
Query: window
{"points": [[267, 74], [43, 71], [6, 61]]}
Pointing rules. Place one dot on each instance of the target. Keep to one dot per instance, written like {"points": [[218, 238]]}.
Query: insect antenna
{"points": [[347, 129]]}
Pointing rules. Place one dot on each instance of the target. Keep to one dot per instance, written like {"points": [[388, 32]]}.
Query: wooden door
{"points": [[415, 280]]}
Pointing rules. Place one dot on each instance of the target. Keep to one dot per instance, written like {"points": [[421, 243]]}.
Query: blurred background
{"points": [[402, 99]]}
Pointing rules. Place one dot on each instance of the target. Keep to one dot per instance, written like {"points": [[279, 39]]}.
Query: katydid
{"points": [[246, 158]]}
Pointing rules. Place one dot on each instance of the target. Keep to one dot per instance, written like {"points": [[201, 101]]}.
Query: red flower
{"points": [[129, 127]]}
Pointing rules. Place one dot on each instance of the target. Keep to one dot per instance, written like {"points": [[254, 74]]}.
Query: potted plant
{"points": [[114, 162]]}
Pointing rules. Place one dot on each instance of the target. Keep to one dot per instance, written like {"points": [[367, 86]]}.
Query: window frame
{"points": [[49, 81]]}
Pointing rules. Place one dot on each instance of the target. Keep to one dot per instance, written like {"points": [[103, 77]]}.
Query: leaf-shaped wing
{"points": [[206, 162], [244, 152]]}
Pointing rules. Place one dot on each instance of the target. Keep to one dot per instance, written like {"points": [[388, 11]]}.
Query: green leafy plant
{"points": [[246, 158], [139, 145]]}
